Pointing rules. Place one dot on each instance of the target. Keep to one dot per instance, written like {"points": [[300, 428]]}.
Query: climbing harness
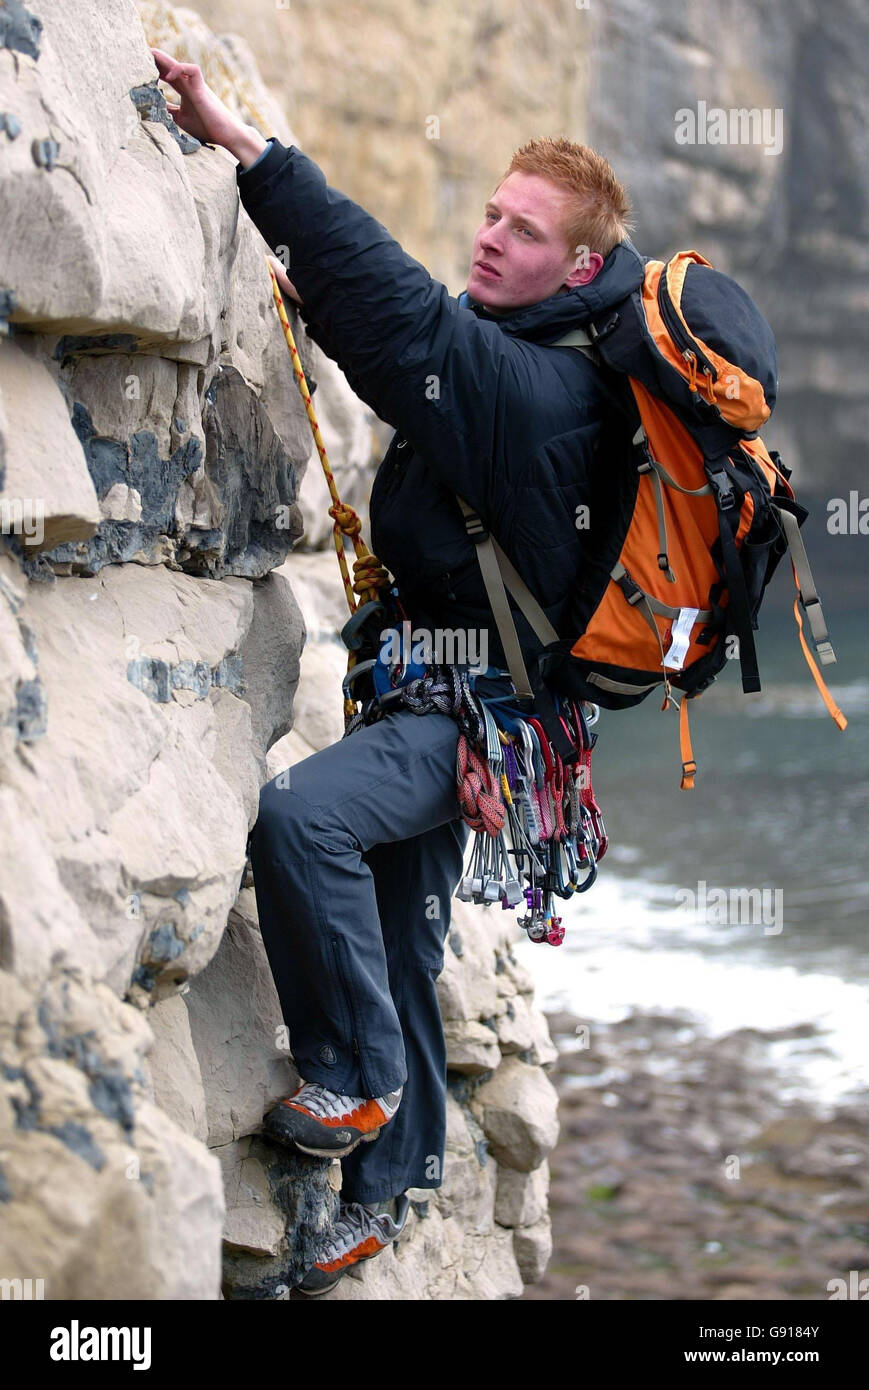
{"points": [[539, 828], [523, 779]]}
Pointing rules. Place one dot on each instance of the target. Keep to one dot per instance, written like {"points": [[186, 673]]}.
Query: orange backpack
{"points": [[690, 363]]}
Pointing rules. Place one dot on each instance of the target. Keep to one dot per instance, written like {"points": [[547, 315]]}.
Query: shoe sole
{"points": [[315, 1293], [335, 1153]]}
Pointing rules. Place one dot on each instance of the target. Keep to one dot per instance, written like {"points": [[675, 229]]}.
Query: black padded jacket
{"points": [[479, 403]]}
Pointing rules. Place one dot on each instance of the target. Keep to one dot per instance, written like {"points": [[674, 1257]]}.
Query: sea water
{"points": [[780, 804]]}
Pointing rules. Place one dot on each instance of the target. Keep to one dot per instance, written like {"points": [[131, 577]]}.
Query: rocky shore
{"points": [[682, 1174]]}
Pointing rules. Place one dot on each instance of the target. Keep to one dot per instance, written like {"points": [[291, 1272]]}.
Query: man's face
{"points": [[522, 237]]}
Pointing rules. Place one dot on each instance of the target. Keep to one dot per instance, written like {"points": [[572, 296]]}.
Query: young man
{"points": [[349, 858]]}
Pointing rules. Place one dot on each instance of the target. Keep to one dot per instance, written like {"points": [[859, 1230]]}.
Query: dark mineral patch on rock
{"points": [[19, 29], [151, 106], [45, 153], [75, 343]]}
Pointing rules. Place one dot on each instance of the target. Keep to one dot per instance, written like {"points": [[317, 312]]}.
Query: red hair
{"points": [[598, 210]]}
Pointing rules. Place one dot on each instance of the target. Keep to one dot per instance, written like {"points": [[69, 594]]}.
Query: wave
{"points": [[790, 700], [631, 952]]}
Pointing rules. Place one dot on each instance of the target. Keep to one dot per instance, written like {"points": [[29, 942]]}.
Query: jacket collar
{"points": [[621, 274]]}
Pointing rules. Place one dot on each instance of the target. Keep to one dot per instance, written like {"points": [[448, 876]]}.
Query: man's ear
{"points": [[588, 265]]}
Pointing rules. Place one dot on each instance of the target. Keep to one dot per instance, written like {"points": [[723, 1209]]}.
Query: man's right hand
{"points": [[285, 284], [201, 112]]}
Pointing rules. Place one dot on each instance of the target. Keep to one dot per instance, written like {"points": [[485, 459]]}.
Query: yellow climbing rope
{"points": [[369, 575]]}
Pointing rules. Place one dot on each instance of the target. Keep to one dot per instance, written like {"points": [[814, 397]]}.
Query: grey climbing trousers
{"points": [[356, 853]]}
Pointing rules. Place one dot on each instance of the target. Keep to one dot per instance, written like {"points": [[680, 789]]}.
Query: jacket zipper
{"points": [[688, 345]]}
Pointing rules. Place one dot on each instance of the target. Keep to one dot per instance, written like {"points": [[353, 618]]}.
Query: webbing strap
{"points": [[689, 767], [662, 524], [618, 687], [807, 594], [659, 468], [659, 473], [805, 582], [738, 603], [620, 574], [496, 567], [580, 339], [834, 711], [525, 599]]}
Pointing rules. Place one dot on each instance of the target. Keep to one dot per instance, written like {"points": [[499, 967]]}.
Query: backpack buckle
{"points": [[632, 592], [596, 334], [475, 529], [723, 487]]}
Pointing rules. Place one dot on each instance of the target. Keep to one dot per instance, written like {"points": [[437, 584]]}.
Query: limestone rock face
{"points": [[155, 628]]}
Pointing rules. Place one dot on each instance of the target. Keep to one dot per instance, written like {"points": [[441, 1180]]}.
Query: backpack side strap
{"points": [[805, 582], [807, 595]]}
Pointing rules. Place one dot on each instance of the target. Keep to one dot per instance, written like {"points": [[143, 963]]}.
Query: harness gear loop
{"points": [[370, 576]]}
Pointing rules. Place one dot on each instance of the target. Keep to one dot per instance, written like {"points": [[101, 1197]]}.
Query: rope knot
{"points": [[346, 519], [369, 573]]}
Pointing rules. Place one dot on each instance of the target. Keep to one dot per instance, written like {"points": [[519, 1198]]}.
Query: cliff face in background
{"points": [[793, 227], [150, 655]]}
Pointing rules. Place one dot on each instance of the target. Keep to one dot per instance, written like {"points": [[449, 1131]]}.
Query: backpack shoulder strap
{"points": [[496, 569], [579, 338], [500, 575]]}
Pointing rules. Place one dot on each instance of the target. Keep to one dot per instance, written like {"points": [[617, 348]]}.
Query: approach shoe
{"points": [[360, 1232], [319, 1121]]}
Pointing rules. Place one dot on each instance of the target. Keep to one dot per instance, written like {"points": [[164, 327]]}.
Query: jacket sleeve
{"points": [[430, 368]]}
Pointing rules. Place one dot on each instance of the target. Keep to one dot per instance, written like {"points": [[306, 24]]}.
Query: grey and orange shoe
{"points": [[360, 1233], [321, 1122]]}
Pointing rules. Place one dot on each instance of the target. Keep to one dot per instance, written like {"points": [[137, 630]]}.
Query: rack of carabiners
{"points": [[540, 831]]}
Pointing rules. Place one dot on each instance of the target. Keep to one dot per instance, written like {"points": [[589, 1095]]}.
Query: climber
{"points": [[357, 850]]}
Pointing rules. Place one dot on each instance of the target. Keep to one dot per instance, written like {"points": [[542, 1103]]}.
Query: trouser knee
{"points": [[282, 829]]}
